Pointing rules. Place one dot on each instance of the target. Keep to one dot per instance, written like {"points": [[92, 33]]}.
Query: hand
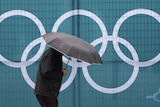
{"points": [[64, 71]]}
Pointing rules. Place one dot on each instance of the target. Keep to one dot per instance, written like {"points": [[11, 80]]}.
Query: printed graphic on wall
{"points": [[125, 34]]}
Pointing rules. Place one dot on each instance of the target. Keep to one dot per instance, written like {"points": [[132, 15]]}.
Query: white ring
{"points": [[122, 87], [35, 58], [90, 15], [115, 34], [71, 77], [34, 19], [80, 64], [23, 64]]}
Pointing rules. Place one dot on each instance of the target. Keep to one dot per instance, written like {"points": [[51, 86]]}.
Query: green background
{"points": [[141, 31]]}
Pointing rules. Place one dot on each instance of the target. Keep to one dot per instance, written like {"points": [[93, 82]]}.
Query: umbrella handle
{"points": [[67, 63]]}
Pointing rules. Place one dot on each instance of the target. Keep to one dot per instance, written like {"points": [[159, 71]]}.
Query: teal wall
{"points": [[126, 33]]}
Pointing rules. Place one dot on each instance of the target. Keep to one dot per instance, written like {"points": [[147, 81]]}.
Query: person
{"points": [[49, 78]]}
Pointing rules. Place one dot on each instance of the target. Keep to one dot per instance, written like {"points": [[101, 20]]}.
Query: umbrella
{"points": [[72, 46]]}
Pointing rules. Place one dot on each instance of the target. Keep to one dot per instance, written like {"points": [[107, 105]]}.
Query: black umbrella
{"points": [[73, 46]]}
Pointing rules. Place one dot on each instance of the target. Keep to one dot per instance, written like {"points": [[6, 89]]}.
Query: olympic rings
{"points": [[104, 40]]}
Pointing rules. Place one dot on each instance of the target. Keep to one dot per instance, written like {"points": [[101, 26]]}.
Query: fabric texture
{"points": [[49, 74]]}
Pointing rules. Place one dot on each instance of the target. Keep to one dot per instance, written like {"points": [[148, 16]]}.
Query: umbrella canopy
{"points": [[72, 46]]}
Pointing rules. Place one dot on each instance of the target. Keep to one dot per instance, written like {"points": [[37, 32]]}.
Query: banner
{"points": [[125, 33]]}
